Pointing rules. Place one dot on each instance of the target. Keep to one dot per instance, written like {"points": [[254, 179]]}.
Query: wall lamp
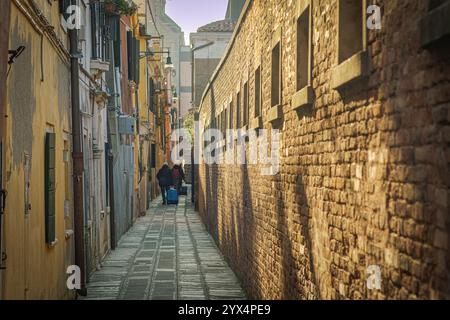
{"points": [[169, 63], [14, 54]]}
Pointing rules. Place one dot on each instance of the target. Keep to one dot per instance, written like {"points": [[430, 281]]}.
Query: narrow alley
{"points": [[166, 255], [305, 143]]}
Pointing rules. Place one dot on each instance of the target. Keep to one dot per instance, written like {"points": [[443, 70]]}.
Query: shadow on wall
{"points": [[210, 201], [242, 241]]}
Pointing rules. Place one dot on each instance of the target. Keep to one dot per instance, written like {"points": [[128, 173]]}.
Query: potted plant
{"points": [[110, 6], [122, 7]]}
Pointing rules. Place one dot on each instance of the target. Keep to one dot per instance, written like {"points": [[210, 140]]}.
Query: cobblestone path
{"points": [[166, 255]]}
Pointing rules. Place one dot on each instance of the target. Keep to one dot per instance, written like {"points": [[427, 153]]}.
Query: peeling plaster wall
{"points": [[36, 103]]}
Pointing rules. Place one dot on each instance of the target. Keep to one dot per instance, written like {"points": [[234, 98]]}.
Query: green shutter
{"points": [[153, 156], [49, 188], [117, 44], [130, 54], [136, 61], [152, 96]]}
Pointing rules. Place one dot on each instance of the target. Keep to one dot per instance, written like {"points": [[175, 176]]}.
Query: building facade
{"points": [[38, 217], [93, 104], [172, 40], [362, 188], [5, 11], [121, 125], [208, 46], [185, 92]]}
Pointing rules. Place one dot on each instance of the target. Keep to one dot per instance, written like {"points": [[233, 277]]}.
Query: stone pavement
{"points": [[166, 255]]}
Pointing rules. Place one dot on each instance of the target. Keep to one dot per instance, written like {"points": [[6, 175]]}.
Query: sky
{"points": [[191, 14]]}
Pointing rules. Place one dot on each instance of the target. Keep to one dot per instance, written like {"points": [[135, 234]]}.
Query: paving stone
{"points": [[166, 255]]}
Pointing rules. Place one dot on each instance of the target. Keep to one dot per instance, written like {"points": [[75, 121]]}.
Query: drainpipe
{"points": [[112, 216], [77, 155]]}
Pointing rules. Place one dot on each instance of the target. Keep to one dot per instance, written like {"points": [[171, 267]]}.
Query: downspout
{"points": [[112, 217], [77, 155]]}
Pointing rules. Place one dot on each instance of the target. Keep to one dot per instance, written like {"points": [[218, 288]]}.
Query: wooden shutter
{"points": [[153, 156], [152, 96], [130, 55], [136, 61], [117, 44], [49, 188]]}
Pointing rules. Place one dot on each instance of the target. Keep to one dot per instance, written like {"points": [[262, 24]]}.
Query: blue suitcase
{"points": [[172, 196]]}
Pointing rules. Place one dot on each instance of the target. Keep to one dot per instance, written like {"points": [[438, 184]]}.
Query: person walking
{"points": [[165, 180], [177, 177]]}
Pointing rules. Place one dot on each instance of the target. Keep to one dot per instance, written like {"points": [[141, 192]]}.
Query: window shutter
{"points": [[117, 44], [63, 5], [49, 188], [136, 61], [153, 156], [151, 96], [130, 55]]}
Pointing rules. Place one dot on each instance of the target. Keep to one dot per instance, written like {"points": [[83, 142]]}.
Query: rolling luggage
{"points": [[172, 196], [183, 191]]}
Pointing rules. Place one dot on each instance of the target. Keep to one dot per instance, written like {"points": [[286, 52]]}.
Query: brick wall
{"points": [[364, 177]]}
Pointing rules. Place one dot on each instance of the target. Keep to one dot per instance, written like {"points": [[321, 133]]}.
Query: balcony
{"points": [[98, 67]]}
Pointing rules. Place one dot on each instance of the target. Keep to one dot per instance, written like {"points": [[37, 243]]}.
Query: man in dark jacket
{"points": [[177, 176], [165, 180]]}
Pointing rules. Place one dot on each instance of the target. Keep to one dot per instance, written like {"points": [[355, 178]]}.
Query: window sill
{"points": [[435, 26], [256, 123], [350, 70], [275, 113], [301, 98]]}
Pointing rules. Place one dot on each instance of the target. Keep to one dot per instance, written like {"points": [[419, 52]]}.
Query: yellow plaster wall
{"points": [[34, 270]]}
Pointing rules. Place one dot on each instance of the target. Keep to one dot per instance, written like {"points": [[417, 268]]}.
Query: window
{"points": [[49, 189], [352, 44], [303, 50], [434, 26], [258, 92], [350, 28], [304, 94], [245, 104], [238, 110], [276, 74]]}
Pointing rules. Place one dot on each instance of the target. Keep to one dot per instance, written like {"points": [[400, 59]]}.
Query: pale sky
{"points": [[191, 14]]}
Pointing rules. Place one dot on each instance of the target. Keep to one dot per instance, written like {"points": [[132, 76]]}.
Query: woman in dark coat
{"points": [[177, 177], [165, 181]]}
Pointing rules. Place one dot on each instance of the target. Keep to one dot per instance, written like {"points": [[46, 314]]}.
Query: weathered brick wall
{"points": [[364, 176]]}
